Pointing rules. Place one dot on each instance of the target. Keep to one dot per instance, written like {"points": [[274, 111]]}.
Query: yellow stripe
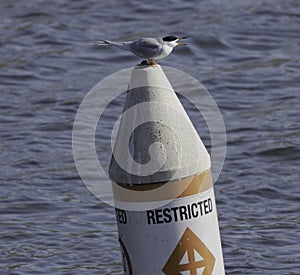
{"points": [[163, 191]]}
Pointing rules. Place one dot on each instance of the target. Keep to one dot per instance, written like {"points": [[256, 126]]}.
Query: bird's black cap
{"points": [[170, 38]]}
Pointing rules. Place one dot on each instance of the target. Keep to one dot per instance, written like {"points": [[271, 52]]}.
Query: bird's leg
{"points": [[152, 62], [149, 61]]}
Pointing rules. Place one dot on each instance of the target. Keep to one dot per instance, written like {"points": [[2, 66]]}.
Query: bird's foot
{"points": [[150, 62]]}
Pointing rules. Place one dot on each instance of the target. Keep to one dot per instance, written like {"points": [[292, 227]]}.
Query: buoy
{"points": [[162, 185]]}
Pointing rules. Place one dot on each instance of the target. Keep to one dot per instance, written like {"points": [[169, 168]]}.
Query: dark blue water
{"points": [[246, 53]]}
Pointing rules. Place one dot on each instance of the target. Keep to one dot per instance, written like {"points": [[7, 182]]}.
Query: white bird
{"points": [[150, 48]]}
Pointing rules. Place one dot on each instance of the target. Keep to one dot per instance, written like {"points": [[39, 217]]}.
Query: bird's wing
{"points": [[145, 47]]}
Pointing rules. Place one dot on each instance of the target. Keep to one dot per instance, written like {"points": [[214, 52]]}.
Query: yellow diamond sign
{"points": [[189, 243]]}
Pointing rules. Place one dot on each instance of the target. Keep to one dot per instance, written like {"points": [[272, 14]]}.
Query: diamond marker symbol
{"points": [[190, 243]]}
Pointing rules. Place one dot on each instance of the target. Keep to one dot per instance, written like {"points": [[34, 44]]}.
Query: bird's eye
{"points": [[170, 38]]}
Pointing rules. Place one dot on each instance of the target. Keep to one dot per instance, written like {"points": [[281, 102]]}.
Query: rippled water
{"points": [[245, 52]]}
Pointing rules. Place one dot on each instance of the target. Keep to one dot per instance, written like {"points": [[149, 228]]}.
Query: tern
{"points": [[150, 48]]}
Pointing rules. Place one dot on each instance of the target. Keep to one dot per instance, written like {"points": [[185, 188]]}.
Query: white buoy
{"points": [[162, 185]]}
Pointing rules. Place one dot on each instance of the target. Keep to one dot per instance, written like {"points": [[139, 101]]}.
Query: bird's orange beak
{"points": [[180, 42]]}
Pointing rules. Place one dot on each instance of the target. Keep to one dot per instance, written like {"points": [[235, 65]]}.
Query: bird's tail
{"points": [[100, 42], [122, 45], [107, 42]]}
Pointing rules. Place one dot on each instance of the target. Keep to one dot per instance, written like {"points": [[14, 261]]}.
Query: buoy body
{"points": [[162, 185]]}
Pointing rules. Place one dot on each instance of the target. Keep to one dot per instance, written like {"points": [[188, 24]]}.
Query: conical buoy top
{"points": [[156, 141]]}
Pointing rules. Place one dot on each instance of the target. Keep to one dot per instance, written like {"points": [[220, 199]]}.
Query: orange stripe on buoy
{"points": [[163, 191]]}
